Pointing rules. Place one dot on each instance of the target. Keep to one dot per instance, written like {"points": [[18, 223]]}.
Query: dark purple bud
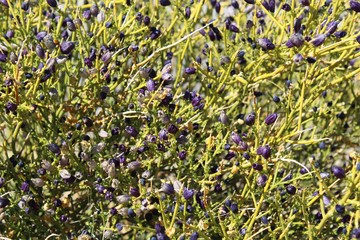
{"points": [[305, 2], [155, 34], [165, 3], [234, 28], [40, 51], [295, 40], [25, 5], [134, 165], [290, 189], [190, 70], [340, 34], [25, 187], [318, 40], [286, 7], [94, 10], [40, 35], [87, 14], [355, 5], [250, 119], [71, 26], [67, 47], [358, 39], [106, 57], [2, 57], [187, 12], [168, 189], [339, 208], [272, 6], [188, 193], [182, 155], [52, 3], [266, 44], [257, 167], [131, 131], [217, 7], [338, 172], [250, 1], [2, 182], [54, 148], [150, 85], [235, 4], [243, 146], [63, 218], [229, 156], [11, 106], [173, 129], [4, 3], [261, 181], [146, 20], [134, 192], [331, 27], [271, 118], [194, 236], [4, 202], [235, 138], [297, 24], [9, 34]]}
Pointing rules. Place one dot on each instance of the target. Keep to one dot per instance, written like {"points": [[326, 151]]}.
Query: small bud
{"points": [[318, 40], [266, 44], [271, 118]]}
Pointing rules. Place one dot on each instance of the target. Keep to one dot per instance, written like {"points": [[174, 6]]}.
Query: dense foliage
{"points": [[170, 119]]}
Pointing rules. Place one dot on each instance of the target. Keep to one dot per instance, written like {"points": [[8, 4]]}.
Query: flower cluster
{"points": [[179, 120]]}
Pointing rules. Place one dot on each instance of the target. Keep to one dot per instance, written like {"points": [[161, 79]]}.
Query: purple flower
{"points": [[358, 39], [331, 27], [54, 148], [165, 3], [173, 129], [163, 135], [250, 1], [4, 202], [338, 172], [340, 34], [295, 40], [168, 189], [155, 33], [290, 189], [297, 24], [261, 181], [52, 3], [271, 118], [11, 106], [266, 44], [40, 51], [131, 131], [150, 85], [286, 7], [264, 151], [355, 5], [182, 155], [67, 47], [25, 186], [257, 166], [2, 57], [187, 12], [188, 193], [190, 70], [250, 119], [134, 192], [235, 4], [305, 2], [235, 138], [87, 14], [318, 40], [243, 146], [234, 28], [106, 57]]}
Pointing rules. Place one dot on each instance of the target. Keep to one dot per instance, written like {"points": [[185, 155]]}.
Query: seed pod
{"points": [[67, 47]]}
